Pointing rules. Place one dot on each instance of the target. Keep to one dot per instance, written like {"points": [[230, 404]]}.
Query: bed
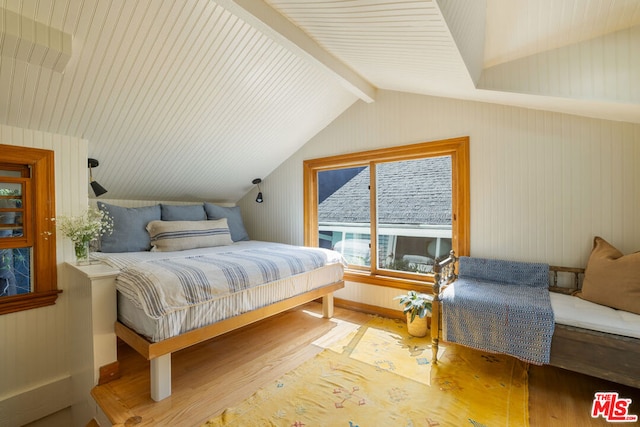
{"points": [[587, 337], [203, 278]]}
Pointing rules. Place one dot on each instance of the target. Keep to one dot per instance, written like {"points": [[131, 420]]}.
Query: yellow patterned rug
{"points": [[381, 376]]}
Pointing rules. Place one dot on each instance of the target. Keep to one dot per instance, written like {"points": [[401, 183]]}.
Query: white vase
{"points": [[419, 327]]}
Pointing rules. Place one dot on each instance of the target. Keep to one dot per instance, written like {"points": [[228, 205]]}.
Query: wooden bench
{"points": [[599, 354]]}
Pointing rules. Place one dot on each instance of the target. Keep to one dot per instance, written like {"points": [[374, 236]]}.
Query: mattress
{"points": [[573, 311], [178, 321]]}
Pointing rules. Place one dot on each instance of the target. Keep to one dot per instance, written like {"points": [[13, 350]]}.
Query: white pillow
{"points": [[169, 236]]}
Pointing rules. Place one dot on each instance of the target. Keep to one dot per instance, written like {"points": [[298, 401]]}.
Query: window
{"points": [[28, 275], [390, 212]]}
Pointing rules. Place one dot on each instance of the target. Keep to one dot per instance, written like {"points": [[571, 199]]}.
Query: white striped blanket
{"points": [[163, 285]]}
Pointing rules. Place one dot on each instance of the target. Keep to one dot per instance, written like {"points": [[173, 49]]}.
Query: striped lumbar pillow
{"points": [[169, 236]]}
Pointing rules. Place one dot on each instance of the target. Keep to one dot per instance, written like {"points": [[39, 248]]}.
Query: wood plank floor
{"points": [[212, 376]]}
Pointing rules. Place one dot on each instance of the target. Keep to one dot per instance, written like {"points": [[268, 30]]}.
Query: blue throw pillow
{"points": [[183, 212], [129, 228], [234, 219]]}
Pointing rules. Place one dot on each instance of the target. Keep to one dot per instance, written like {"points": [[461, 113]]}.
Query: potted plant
{"points": [[417, 308]]}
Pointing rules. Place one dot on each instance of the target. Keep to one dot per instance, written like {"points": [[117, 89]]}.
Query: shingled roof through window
{"points": [[409, 192]]}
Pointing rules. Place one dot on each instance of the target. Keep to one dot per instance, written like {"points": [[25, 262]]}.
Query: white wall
{"points": [[542, 184], [34, 354]]}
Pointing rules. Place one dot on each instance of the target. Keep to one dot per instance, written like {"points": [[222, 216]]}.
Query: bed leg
{"points": [[161, 377], [327, 306]]}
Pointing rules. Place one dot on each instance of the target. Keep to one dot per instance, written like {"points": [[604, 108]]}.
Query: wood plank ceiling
{"points": [[192, 99]]}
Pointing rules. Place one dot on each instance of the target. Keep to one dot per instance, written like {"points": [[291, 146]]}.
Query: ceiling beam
{"points": [[466, 21], [266, 19], [33, 42]]}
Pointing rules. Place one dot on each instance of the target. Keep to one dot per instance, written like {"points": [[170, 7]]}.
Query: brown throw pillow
{"points": [[611, 278]]}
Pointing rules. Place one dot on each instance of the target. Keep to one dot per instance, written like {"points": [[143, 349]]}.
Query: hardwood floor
{"points": [[222, 372], [559, 398]]}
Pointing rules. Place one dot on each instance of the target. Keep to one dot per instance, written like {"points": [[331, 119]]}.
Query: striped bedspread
{"points": [[165, 284]]}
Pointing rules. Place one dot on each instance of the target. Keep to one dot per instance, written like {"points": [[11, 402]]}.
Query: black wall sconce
{"points": [[257, 182], [98, 189]]}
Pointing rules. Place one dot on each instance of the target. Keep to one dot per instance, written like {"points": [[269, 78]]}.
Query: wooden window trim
{"points": [[457, 148], [39, 213]]}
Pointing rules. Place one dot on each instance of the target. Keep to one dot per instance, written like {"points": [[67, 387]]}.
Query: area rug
{"points": [[381, 376]]}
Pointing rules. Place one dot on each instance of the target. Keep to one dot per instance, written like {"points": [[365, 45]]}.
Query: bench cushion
{"points": [[571, 311]]}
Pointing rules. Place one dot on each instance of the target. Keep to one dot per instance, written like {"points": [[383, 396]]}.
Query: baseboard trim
{"points": [[109, 372], [369, 309], [36, 403]]}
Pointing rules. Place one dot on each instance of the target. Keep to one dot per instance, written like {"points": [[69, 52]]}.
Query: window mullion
{"points": [[373, 220]]}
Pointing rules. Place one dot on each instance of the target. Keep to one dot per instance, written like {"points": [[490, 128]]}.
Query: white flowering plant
{"points": [[86, 227]]}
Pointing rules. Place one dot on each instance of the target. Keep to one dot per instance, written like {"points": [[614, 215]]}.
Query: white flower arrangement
{"points": [[86, 227]]}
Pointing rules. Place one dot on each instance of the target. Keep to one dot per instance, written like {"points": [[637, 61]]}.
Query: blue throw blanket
{"points": [[500, 306]]}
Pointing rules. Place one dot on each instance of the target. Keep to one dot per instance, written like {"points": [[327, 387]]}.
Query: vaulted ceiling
{"points": [[192, 99]]}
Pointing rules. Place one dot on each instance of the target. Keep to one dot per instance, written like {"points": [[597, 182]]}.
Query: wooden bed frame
{"points": [[159, 353], [599, 354]]}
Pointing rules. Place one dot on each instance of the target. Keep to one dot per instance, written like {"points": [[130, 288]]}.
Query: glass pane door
{"points": [[413, 210], [11, 209], [344, 216], [15, 262]]}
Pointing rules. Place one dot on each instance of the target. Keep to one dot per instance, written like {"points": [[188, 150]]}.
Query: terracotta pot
{"points": [[419, 326]]}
